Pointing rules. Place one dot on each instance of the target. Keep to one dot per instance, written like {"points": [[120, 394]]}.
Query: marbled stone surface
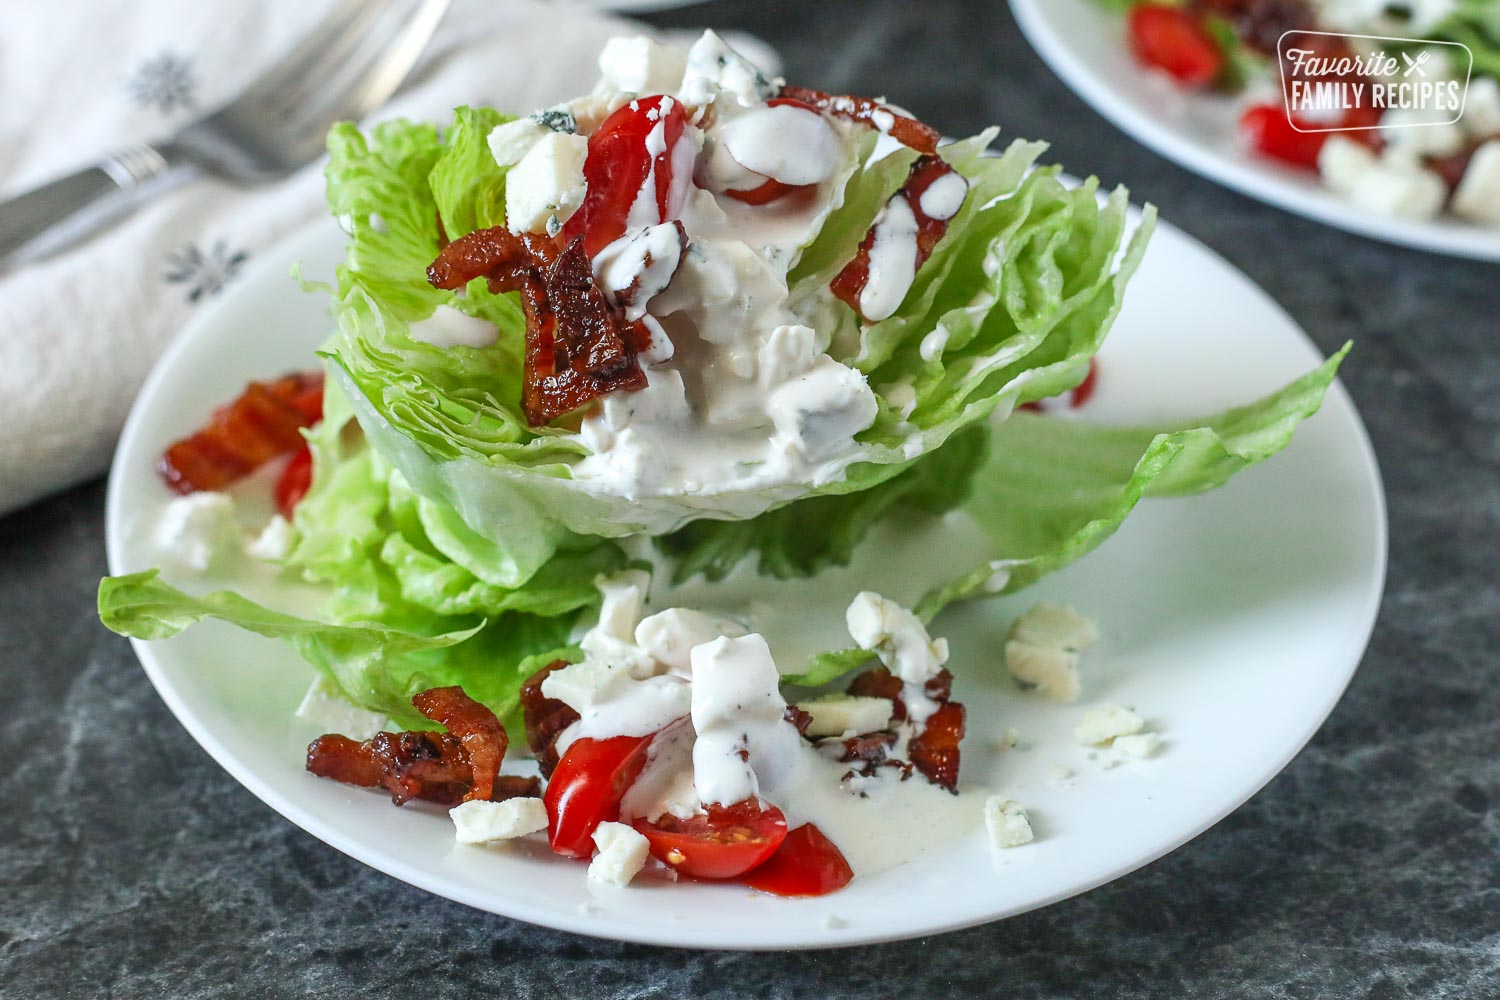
{"points": [[131, 866]]}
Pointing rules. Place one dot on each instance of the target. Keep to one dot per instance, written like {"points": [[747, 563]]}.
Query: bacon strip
{"points": [[475, 726], [933, 750], [262, 423], [799, 718], [907, 131], [878, 682], [545, 718], [849, 283], [414, 765], [577, 348], [447, 768]]}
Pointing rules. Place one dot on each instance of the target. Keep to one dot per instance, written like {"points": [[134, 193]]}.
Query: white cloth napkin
{"points": [[79, 332]]}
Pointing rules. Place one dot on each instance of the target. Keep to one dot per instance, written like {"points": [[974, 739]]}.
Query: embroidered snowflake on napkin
{"points": [[204, 273], [164, 82]]}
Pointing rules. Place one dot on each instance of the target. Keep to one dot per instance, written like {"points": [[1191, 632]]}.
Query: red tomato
{"points": [[586, 787], [1269, 131], [294, 482], [1175, 40], [725, 843], [767, 192], [618, 165], [806, 865]]}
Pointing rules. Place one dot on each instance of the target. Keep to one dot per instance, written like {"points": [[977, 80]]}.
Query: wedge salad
{"points": [[699, 327]]}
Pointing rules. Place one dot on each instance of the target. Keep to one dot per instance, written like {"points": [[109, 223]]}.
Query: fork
{"points": [[345, 69]]}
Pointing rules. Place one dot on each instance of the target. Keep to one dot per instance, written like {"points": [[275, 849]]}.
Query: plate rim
{"points": [[290, 247], [1240, 173]]}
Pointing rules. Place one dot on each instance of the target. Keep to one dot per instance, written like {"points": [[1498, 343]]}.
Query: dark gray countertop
{"points": [[130, 865]]}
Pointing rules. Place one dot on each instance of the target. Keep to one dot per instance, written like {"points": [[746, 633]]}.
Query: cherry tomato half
{"points": [[1176, 41], [765, 193], [807, 864], [293, 483], [726, 842], [1269, 132], [586, 787], [618, 165]]}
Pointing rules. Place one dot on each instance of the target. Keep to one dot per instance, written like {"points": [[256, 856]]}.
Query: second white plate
{"points": [[1085, 44]]}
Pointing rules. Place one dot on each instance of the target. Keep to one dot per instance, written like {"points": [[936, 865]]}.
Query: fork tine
{"points": [[351, 64], [296, 65], [363, 79], [354, 34], [386, 74]]}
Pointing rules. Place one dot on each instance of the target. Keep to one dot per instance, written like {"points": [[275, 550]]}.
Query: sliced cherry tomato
{"points": [[725, 842], [765, 193], [586, 787], [1176, 41], [1269, 131], [293, 483], [807, 864], [618, 166]]}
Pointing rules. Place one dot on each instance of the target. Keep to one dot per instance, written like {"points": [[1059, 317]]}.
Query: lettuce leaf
{"points": [[1052, 490], [1015, 299], [809, 536]]}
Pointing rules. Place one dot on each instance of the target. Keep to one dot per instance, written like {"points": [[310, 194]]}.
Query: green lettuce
{"points": [[1051, 491], [377, 666], [1023, 288]]}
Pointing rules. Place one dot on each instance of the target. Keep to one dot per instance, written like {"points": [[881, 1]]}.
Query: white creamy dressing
{"points": [[642, 263], [740, 392], [740, 720], [944, 196], [710, 692], [447, 327], [899, 638], [893, 260], [785, 143]]}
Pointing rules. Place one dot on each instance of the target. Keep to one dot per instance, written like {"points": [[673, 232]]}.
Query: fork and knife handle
{"points": [[71, 207]]}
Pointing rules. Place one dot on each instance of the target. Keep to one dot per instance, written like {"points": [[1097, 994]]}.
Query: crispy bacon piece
{"points": [[869, 748], [414, 765], [878, 682], [264, 422], [799, 718], [934, 750], [905, 130], [514, 786], [482, 736], [545, 718], [577, 348], [446, 768], [850, 282]]}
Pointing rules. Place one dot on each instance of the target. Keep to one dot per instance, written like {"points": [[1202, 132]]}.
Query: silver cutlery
{"points": [[345, 69]]}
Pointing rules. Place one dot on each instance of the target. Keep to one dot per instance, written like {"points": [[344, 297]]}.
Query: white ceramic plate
{"points": [[1085, 45], [1233, 621]]}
